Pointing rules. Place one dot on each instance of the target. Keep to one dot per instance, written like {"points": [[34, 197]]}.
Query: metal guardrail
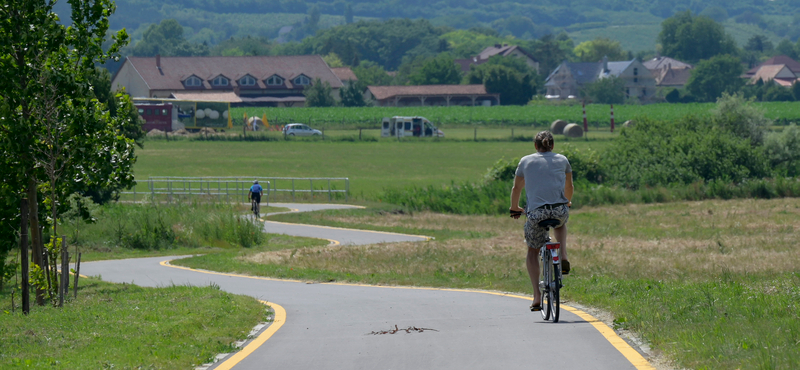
{"points": [[236, 190], [274, 185]]}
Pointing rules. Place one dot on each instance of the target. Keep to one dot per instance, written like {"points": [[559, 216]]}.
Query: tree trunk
{"points": [[37, 248], [23, 239]]}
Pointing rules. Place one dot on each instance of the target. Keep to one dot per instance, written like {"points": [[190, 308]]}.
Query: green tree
{"points": [[786, 47], [609, 90], [440, 70], [319, 94], [551, 51], [166, 39], [796, 91], [353, 95], [61, 137], [759, 44], [739, 116], [713, 77], [333, 60], [783, 151], [514, 88], [595, 50], [372, 74], [693, 38]]}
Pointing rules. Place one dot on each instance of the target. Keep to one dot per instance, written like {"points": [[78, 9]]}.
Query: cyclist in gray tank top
{"points": [[546, 178]]}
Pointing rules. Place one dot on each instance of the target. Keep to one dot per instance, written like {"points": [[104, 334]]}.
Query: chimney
{"points": [[605, 63], [158, 64]]}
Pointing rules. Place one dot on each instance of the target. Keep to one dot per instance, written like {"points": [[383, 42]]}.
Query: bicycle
{"points": [[256, 207], [550, 285]]}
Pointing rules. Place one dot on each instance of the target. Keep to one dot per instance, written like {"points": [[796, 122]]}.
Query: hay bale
{"points": [[207, 131], [155, 132], [557, 127], [225, 114], [573, 130], [213, 115], [200, 114], [629, 123], [181, 132]]}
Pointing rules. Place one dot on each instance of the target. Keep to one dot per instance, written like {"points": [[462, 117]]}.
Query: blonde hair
{"points": [[544, 141]]}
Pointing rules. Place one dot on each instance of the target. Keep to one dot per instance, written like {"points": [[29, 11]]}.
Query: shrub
{"points": [[656, 153], [783, 151]]}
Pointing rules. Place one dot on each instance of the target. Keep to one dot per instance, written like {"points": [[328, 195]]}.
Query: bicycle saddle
{"points": [[550, 222]]}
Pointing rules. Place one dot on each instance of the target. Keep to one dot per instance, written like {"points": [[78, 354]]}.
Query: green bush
{"points": [[783, 151], [656, 153]]}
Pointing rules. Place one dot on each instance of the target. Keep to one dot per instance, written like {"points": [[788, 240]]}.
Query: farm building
{"points": [[669, 72], [276, 81], [504, 50], [781, 69], [568, 78], [430, 95]]}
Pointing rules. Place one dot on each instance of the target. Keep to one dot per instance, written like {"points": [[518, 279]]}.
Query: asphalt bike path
{"points": [[351, 326]]}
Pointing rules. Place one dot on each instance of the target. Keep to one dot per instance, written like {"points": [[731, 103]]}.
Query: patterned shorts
{"points": [[536, 236]]}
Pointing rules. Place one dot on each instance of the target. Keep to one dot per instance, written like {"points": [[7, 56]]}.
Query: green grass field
{"points": [[370, 166], [540, 115], [124, 326]]}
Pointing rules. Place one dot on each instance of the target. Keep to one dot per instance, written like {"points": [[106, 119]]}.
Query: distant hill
{"points": [[635, 23]]}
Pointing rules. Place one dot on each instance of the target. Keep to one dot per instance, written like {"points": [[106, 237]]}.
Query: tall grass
{"points": [[493, 197], [157, 226]]}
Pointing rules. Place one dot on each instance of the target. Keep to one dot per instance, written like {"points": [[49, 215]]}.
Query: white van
{"points": [[409, 126]]}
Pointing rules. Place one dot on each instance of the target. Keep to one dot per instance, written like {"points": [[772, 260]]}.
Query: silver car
{"points": [[299, 129]]}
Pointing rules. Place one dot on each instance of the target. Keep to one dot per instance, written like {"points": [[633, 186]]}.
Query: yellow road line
{"points": [[334, 242], [277, 322], [341, 228], [633, 356]]}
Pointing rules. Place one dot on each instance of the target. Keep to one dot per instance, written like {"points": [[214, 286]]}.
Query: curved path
{"points": [[330, 326]]}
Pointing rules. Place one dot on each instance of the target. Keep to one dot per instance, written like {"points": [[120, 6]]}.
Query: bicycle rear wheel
{"points": [[547, 265]]}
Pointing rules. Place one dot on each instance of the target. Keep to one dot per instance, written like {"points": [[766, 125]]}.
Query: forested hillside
{"points": [[635, 23]]}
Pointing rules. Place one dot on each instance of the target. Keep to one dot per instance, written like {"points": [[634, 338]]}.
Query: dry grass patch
{"points": [[493, 256], [692, 240]]}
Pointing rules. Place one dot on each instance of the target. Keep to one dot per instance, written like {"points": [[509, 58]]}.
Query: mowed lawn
{"points": [[370, 166]]}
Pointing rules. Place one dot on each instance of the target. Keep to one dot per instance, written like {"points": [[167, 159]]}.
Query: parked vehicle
{"points": [[409, 126], [299, 129]]}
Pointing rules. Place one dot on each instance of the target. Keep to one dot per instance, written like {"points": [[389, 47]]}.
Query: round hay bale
{"points": [[200, 114], [629, 123], [155, 132], [213, 115], [208, 111], [557, 127], [573, 130], [225, 114]]}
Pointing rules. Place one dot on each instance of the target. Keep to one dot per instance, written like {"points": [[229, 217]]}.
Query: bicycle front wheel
{"points": [[555, 292], [544, 287]]}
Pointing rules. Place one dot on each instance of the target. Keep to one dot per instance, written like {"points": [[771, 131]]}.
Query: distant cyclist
{"points": [[256, 192]]}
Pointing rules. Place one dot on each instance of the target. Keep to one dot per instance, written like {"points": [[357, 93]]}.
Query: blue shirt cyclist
{"points": [[256, 191]]}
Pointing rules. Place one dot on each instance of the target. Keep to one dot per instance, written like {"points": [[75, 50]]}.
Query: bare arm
{"points": [[569, 189], [516, 191]]}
